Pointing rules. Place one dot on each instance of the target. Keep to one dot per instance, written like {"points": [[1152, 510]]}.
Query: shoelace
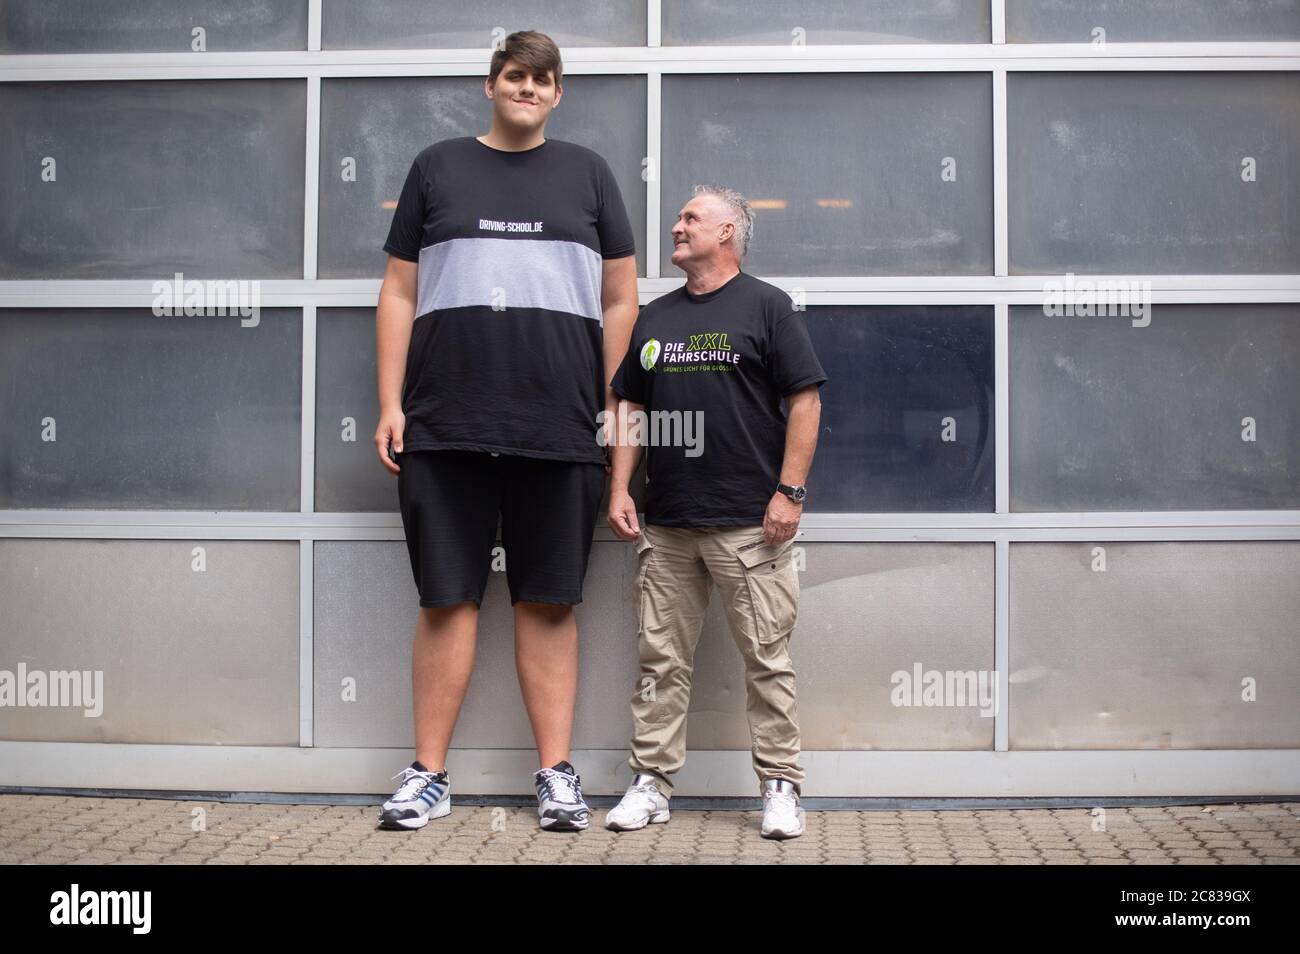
{"points": [[561, 788], [413, 783], [784, 802], [643, 796]]}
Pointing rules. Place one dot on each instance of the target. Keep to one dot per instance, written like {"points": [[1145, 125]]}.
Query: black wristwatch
{"points": [[797, 494]]}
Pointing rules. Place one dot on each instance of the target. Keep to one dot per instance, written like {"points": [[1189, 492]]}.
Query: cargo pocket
{"points": [[773, 585]]}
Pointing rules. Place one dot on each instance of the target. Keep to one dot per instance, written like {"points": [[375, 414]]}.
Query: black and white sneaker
{"points": [[560, 806], [422, 795]]}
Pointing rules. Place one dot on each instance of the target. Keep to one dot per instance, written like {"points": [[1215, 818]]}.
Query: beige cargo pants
{"points": [[759, 586]]}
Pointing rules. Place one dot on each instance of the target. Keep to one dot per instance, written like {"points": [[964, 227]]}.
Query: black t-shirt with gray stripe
{"points": [[505, 353]]}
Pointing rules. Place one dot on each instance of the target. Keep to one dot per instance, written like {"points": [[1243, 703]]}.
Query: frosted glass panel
{"points": [[1173, 172], [121, 410], [907, 415], [1130, 21], [141, 179], [1155, 651], [83, 26], [184, 656], [778, 22], [1198, 410], [431, 24], [855, 174], [349, 475]]}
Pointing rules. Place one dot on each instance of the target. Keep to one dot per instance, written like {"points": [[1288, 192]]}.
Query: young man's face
{"points": [[521, 99]]}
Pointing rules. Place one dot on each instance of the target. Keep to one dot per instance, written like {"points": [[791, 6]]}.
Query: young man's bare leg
{"points": [[442, 660], [546, 657]]}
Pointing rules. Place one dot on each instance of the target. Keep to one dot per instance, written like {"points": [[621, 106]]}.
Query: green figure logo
{"points": [[650, 354]]}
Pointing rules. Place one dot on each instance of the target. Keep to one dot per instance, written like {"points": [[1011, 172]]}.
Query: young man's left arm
{"points": [[618, 303], [781, 522]]}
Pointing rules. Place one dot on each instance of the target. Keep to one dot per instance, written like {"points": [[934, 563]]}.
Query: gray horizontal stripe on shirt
{"points": [[510, 273]]}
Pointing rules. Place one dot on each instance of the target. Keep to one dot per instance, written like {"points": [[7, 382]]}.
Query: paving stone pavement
{"points": [[60, 829]]}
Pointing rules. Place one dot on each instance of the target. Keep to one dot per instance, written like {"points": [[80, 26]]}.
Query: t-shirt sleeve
{"points": [[407, 230], [612, 226], [792, 360], [629, 381]]}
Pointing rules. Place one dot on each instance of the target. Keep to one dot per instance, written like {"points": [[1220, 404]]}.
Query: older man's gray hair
{"points": [[742, 216]]}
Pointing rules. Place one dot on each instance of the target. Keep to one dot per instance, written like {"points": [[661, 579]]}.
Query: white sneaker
{"points": [[420, 797], [643, 804], [782, 816], [560, 805]]}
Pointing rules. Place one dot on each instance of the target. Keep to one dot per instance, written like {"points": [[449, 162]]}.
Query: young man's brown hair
{"points": [[536, 51]]}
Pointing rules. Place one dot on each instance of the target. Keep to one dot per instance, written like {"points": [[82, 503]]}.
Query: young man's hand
{"points": [[781, 522], [391, 425], [622, 514]]}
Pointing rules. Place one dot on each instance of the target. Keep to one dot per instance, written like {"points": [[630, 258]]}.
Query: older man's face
{"points": [[701, 226]]}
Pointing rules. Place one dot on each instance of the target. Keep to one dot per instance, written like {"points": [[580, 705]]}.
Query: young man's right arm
{"points": [[393, 320]]}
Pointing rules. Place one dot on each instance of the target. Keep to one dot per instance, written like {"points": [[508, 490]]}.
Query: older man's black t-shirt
{"points": [[724, 359]]}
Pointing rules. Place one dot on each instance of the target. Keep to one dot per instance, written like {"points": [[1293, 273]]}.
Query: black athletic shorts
{"points": [[451, 500]]}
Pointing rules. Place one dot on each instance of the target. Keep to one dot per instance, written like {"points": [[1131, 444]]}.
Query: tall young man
{"points": [[726, 348], [508, 301]]}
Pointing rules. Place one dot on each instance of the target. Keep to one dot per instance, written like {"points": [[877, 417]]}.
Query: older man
{"points": [[724, 350]]}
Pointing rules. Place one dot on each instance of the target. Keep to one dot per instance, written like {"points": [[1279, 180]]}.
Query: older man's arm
{"points": [[622, 508], [781, 522]]}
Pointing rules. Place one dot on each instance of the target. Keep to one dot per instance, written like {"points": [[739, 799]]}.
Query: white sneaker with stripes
{"points": [[560, 806], [420, 797]]}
